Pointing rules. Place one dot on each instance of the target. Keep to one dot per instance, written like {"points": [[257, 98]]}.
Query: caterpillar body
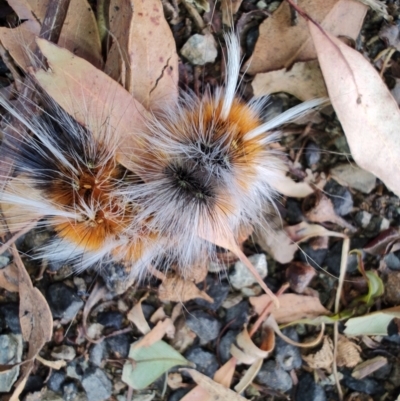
{"points": [[205, 166]]}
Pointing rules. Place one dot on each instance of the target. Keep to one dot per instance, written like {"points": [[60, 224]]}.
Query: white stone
{"points": [[242, 277], [200, 49]]}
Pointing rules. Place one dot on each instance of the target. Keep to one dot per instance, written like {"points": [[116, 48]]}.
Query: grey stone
{"points": [[312, 153], [242, 277], [308, 390], [70, 391], [111, 319], [65, 352], [340, 197], [217, 291], [97, 352], [287, 355], [96, 384], [225, 345], [10, 313], [238, 315], [10, 353], [274, 377], [63, 301], [56, 380], [205, 361], [118, 346], [200, 49], [354, 177], [116, 277], [205, 326], [366, 385]]}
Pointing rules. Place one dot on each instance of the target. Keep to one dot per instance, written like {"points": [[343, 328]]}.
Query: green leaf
{"points": [[375, 323], [146, 364]]}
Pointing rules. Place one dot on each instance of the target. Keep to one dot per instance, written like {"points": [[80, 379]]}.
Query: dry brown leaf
{"points": [[280, 43], [224, 374], [151, 62], [323, 358], [20, 385], [348, 353], [157, 333], [99, 292], [92, 98], [292, 307], [249, 376], [370, 366], [215, 390], [276, 243], [176, 289], [369, 115], [245, 351], [9, 278], [78, 34], [304, 80], [34, 313], [136, 316]]}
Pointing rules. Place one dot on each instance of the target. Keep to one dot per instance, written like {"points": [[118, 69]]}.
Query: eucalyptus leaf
{"points": [[375, 323], [146, 364]]}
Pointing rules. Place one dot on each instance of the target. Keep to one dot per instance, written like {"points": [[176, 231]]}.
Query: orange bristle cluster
{"points": [[204, 170]]}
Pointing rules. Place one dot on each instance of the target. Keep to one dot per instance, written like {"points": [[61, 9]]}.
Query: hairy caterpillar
{"points": [[203, 166]]}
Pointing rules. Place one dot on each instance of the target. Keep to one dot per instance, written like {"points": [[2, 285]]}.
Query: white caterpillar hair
{"points": [[208, 167]]}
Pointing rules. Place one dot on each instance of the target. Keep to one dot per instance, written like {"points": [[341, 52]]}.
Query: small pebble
{"points": [[63, 301], [366, 385], [391, 281], [392, 260], [110, 319], [116, 277], [118, 346], [80, 286], [274, 377], [205, 361], [217, 291], [205, 326], [225, 345], [9, 314], [64, 352], [261, 5], [355, 177], [56, 380], [363, 218], [340, 197], [312, 153], [96, 384], [200, 49], [75, 369], [287, 355], [238, 315], [70, 391], [4, 261], [242, 277], [97, 352], [308, 390], [10, 353]]}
